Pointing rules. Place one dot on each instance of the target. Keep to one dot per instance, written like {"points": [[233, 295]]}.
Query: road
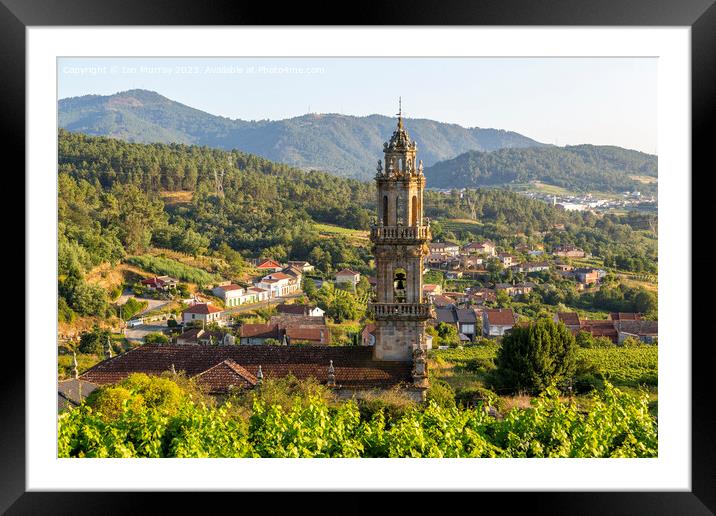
{"points": [[152, 304], [139, 332]]}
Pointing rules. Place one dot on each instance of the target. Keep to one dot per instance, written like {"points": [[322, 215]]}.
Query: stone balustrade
{"points": [[406, 310], [399, 233]]}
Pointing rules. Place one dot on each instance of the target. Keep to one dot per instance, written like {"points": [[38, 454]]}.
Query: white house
{"points": [[279, 284], [202, 312], [348, 276], [496, 322], [230, 294]]}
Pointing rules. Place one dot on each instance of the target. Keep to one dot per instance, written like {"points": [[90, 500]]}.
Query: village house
{"points": [[529, 267], [518, 289], [600, 328], [444, 248], [587, 275], [442, 301], [570, 320], [478, 296], [431, 290], [507, 259], [268, 265], [300, 309], [301, 265], [642, 330], [231, 294], [486, 248], [287, 329], [464, 320], [279, 284], [568, 251], [471, 261], [71, 393], [496, 322], [161, 283], [348, 276], [201, 312], [257, 333], [453, 274]]}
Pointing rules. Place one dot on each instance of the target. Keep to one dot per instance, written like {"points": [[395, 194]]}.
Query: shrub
{"points": [[535, 356], [156, 338], [441, 393], [93, 342]]}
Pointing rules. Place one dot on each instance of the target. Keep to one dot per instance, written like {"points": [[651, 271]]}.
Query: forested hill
{"points": [[579, 167], [341, 144]]}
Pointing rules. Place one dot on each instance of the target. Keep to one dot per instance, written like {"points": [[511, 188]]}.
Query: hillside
{"points": [[341, 144], [579, 168]]}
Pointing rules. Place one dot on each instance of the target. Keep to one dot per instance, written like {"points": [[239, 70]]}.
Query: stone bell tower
{"points": [[399, 236]]}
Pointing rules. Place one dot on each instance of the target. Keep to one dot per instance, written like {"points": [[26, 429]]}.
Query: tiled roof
{"points": [[624, 316], [269, 264], [222, 376], [466, 315], [260, 330], [599, 328], [75, 390], [310, 333], [278, 276], [638, 327], [346, 272], [569, 318], [354, 366], [227, 288], [500, 317], [201, 308]]}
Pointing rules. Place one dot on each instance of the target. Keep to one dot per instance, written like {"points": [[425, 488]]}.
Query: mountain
{"points": [[342, 144], [579, 167]]}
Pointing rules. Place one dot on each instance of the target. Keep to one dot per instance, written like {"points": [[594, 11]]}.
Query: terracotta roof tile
{"points": [[201, 308], [354, 366]]}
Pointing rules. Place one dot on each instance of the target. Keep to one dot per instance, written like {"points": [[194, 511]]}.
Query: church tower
{"points": [[399, 237]]}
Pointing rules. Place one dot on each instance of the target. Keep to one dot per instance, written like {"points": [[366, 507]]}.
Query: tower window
{"points": [[399, 281], [414, 211], [385, 210]]}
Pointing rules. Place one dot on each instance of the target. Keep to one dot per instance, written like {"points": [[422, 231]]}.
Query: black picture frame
{"points": [[700, 15]]}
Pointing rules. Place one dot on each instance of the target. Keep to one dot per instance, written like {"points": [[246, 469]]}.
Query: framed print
{"points": [[424, 252]]}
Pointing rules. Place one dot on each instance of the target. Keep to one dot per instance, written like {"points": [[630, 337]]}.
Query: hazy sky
{"points": [[563, 101]]}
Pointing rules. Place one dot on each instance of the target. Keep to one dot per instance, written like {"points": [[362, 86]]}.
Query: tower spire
{"points": [[400, 112]]}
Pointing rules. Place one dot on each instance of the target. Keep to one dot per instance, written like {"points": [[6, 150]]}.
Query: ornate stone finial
{"points": [[331, 374], [108, 348], [75, 370], [379, 168], [420, 367], [260, 376], [285, 340], [400, 112], [420, 166], [173, 370]]}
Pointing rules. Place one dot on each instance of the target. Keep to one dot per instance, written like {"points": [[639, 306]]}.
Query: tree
{"points": [[156, 338], [447, 334], [93, 342], [309, 288], [537, 355]]}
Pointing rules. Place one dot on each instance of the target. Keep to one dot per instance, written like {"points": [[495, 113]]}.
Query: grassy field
{"points": [[355, 235], [176, 198], [626, 368], [647, 180]]}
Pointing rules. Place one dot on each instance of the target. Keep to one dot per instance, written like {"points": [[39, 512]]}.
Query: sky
{"points": [[562, 101]]}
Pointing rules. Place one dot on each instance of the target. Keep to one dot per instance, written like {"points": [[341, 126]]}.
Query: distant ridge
{"points": [[341, 144]]}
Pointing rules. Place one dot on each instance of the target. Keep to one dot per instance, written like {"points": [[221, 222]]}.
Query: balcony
{"points": [[401, 310], [399, 234]]}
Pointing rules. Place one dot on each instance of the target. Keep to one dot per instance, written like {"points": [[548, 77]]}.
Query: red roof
{"points": [[625, 316], [347, 272], [269, 264], [230, 287], [500, 317], [260, 330], [309, 333], [569, 318], [279, 276], [224, 375], [201, 308], [354, 365]]}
